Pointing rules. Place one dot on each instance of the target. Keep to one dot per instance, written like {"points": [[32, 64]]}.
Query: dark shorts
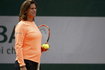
{"points": [[30, 65]]}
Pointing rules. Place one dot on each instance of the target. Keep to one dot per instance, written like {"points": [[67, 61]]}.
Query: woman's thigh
{"points": [[30, 65]]}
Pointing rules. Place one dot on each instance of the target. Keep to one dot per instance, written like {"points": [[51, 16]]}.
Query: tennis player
{"points": [[27, 38]]}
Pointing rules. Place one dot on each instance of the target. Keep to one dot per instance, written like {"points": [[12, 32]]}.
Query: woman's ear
{"points": [[25, 12]]}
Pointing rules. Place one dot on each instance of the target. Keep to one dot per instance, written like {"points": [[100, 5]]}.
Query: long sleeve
{"points": [[19, 38], [27, 42]]}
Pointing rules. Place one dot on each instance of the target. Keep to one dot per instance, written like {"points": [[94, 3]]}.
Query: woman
{"points": [[27, 38]]}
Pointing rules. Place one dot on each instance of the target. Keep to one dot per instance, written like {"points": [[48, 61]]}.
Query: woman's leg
{"points": [[30, 65], [17, 65]]}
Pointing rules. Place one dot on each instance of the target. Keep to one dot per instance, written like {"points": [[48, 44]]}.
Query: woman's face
{"points": [[31, 11]]}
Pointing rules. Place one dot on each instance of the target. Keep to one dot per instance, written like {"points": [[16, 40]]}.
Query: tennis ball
{"points": [[45, 46]]}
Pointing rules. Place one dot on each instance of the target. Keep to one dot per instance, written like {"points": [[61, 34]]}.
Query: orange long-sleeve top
{"points": [[27, 42]]}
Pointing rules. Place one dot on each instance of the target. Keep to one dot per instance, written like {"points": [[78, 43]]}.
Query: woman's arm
{"points": [[19, 39]]}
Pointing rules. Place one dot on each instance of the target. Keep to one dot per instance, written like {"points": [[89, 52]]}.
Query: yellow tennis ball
{"points": [[45, 46]]}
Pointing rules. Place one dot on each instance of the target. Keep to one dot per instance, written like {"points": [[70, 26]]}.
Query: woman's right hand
{"points": [[23, 68]]}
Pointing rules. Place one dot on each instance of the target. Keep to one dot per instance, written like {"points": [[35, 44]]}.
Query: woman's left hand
{"points": [[43, 49]]}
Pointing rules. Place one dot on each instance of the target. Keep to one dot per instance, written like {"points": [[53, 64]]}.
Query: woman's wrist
{"points": [[22, 66]]}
